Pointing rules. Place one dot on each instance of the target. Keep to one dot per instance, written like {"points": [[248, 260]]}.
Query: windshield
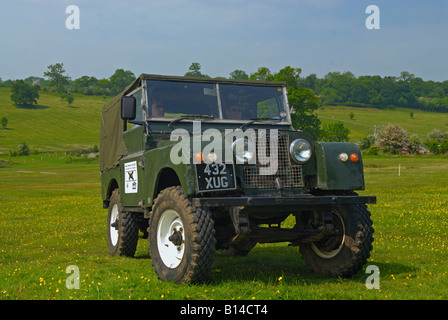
{"points": [[177, 99], [169, 99], [240, 102]]}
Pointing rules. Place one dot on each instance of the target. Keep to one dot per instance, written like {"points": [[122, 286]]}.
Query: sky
{"points": [[167, 36]]}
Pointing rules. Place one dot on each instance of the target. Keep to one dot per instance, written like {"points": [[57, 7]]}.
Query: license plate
{"points": [[215, 176]]}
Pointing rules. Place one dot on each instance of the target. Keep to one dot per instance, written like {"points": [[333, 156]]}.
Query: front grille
{"points": [[290, 175]]}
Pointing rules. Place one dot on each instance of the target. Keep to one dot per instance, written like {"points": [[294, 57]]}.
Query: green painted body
{"points": [[333, 174], [150, 151]]}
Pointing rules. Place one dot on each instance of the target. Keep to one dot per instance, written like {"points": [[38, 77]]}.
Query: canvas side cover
{"points": [[112, 146]]}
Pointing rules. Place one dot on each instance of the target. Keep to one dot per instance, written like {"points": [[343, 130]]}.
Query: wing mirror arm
{"points": [[128, 109], [128, 113]]}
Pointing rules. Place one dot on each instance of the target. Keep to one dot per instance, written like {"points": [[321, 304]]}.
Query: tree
{"points": [[68, 97], [289, 75], [414, 144], [303, 102], [437, 141], [262, 74], [85, 84], [393, 139], [406, 76], [334, 132], [311, 81], [367, 142], [23, 150], [239, 75], [119, 80], [4, 122], [23, 93], [195, 71], [57, 77]]}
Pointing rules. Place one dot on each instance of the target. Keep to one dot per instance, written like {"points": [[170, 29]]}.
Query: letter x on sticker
{"points": [[131, 175]]}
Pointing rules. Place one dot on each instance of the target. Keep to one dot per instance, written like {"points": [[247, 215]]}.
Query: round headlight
{"points": [[343, 157], [243, 150], [300, 150], [212, 157]]}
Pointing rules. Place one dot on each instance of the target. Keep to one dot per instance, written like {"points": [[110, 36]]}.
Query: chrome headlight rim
{"points": [[245, 154], [300, 150]]}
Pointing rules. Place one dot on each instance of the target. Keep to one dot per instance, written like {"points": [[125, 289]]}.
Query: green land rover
{"points": [[199, 165]]}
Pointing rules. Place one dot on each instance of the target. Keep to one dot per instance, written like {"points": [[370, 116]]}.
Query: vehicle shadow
{"points": [[266, 264], [269, 264]]}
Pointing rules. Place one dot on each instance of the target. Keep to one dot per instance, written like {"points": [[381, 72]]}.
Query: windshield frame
{"points": [[219, 117]]}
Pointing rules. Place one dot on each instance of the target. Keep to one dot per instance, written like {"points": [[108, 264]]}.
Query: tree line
{"points": [[336, 88], [305, 94], [404, 91], [56, 80]]}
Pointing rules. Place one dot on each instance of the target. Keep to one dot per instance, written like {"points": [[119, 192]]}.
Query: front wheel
{"points": [[346, 250], [122, 228], [181, 238]]}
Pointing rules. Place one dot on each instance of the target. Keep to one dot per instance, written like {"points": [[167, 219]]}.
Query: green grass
{"points": [[51, 125], [366, 118], [52, 217]]}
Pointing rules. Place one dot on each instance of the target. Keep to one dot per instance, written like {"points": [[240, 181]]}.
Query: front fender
{"points": [[332, 173], [157, 161]]}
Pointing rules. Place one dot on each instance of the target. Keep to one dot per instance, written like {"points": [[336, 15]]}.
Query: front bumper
{"points": [[298, 200]]}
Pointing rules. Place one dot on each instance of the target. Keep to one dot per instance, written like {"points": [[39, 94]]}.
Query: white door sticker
{"points": [[130, 177]]}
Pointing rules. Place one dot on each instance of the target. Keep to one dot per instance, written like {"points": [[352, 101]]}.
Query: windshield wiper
{"points": [[259, 119], [189, 117]]}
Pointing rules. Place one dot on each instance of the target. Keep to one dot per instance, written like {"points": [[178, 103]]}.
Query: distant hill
{"points": [[365, 120], [53, 125]]}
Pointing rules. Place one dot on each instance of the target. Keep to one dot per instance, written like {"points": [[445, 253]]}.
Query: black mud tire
{"points": [[344, 255], [122, 228], [195, 242]]}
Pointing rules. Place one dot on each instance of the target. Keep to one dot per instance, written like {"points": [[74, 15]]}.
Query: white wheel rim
{"points": [[330, 254], [170, 253], [113, 231]]}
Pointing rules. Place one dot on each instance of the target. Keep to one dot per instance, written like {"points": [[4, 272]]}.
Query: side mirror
{"points": [[128, 108]]}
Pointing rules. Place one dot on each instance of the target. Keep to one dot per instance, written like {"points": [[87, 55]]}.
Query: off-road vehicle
{"points": [[199, 165]]}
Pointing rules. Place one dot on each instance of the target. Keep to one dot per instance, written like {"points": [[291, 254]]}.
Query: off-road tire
{"points": [[123, 231], [348, 257], [197, 250]]}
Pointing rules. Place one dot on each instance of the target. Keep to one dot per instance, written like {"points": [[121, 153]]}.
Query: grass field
{"points": [[52, 218], [51, 125], [365, 119]]}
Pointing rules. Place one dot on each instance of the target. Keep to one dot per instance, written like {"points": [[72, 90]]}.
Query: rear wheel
{"points": [[181, 238], [344, 252]]}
